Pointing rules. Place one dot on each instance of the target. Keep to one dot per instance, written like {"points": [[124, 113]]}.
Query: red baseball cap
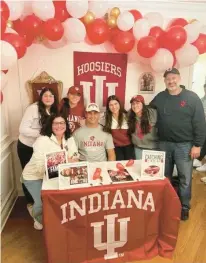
{"points": [[75, 90], [139, 98]]}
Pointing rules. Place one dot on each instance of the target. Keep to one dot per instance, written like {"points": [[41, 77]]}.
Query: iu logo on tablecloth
{"points": [[111, 244]]}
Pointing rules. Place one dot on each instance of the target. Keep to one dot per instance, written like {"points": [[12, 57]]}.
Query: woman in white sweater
{"points": [[34, 118], [55, 137]]}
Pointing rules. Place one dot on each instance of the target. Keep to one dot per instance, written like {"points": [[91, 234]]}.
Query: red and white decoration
{"points": [[75, 21]]}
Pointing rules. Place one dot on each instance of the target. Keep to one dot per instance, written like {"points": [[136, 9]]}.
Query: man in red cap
{"points": [[181, 129], [72, 107]]}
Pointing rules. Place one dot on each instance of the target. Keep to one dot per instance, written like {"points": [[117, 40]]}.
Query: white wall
{"points": [[199, 76]]}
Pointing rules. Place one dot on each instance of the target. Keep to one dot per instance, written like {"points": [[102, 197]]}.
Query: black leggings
{"points": [[124, 152], [25, 153], [203, 152]]}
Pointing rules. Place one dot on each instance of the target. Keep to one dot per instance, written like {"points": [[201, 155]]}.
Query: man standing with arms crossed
{"points": [[182, 130]]}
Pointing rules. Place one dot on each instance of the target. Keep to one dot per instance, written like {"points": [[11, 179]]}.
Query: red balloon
{"points": [[53, 29], [61, 12], [200, 43], [98, 31], [147, 46], [4, 10], [113, 32], [3, 26], [1, 97], [178, 22], [136, 14], [156, 32], [124, 42], [17, 42], [32, 25], [174, 38]]}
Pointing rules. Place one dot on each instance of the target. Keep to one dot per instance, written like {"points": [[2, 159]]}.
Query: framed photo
{"points": [[120, 176], [153, 165], [146, 83], [52, 161], [73, 175]]}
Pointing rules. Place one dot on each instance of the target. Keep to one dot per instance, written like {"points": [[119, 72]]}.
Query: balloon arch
{"points": [[56, 23]]}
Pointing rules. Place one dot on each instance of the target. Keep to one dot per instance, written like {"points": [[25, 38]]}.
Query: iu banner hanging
{"points": [[100, 75]]}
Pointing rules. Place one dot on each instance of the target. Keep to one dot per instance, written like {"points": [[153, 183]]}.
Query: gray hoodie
{"points": [[149, 140]]}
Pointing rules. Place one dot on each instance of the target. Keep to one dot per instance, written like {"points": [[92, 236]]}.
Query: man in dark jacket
{"points": [[182, 130]]}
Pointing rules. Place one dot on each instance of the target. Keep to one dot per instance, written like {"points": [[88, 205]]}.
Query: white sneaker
{"points": [[201, 168], [37, 225], [30, 209], [197, 163]]}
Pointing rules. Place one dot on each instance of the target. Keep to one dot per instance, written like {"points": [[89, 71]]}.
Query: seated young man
{"points": [[94, 145]]}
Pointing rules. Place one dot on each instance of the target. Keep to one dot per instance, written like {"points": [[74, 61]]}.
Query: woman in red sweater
{"points": [[115, 123], [73, 108]]}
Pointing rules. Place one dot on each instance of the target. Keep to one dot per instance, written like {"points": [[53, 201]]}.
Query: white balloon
{"points": [[141, 28], [27, 9], [74, 30], [187, 55], [44, 10], [56, 44], [193, 30], [145, 61], [16, 9], [98, 8], [125, 21], [162, 60], [8, 55], [77, 8], [203, 29], [154, 19], [4, 80]]}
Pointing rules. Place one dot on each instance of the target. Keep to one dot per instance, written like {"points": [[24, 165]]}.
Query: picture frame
{"points": [[52, 161], [152, 165], [146, 83], [74, 175], [43, 80]]}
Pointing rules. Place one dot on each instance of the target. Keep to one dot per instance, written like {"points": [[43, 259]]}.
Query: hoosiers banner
{"points": [[100, 75]]}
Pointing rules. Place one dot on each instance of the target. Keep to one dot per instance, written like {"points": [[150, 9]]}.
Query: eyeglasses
{"points": [[62, 123], [48, 96]]}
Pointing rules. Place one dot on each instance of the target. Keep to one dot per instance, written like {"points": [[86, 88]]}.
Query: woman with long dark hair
{"points": [[33, 120], [115, 123], [55, 136], [142, 120], [73, 108]]}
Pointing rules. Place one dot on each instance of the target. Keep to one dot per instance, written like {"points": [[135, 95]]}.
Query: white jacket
{"points": [[30, 127], [35, 168]]}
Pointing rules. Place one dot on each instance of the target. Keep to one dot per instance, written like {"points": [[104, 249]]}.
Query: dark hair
{"points": [[64, 107], [47, 128], [182, 86], [204, 85], [42, 109], [144, 120], [108, 114]]}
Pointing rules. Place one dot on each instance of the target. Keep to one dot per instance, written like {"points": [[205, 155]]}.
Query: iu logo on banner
{"points": [[100, 75], [111, 244]]}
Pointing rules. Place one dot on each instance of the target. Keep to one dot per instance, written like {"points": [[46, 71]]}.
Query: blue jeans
{"points": [[179, 154], [138, 153], [34, 188]]}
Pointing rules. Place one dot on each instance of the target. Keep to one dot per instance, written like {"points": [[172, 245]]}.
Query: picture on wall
{"points": [[146, 83]]}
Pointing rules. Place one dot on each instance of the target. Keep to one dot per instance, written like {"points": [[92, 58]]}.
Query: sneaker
{"points": [[185, 214], [30, 209], [197, 163], [201, 168], [37, 225]]}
